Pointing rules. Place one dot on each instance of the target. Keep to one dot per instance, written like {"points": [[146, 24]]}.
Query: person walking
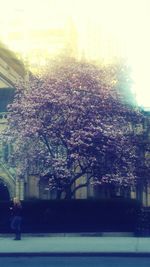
{"points": [[16, 211]]}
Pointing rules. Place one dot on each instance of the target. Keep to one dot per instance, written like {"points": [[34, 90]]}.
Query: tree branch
{"points": [[47, 145], [81, 185]]}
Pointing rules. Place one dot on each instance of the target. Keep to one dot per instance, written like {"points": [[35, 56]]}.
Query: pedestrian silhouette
{"points": [[16, 213]]}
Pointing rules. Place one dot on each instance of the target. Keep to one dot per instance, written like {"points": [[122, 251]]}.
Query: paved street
{"points": [[74, 262]]}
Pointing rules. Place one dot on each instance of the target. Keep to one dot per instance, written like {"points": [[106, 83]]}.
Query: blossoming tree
{"points": [[71, 122]]}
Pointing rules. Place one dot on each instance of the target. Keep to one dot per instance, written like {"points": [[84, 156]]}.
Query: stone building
{"points": [[43, 45], [12, 70], [141, 189]]}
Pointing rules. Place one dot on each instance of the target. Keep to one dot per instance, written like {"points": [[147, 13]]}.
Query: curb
{"points": [[78, 234], [75, 254]]}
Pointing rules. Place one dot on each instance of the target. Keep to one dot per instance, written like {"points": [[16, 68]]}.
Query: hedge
{"points": [[84, 215]]}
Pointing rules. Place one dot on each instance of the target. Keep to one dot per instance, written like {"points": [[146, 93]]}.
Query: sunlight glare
{"points": [[106, 29]]}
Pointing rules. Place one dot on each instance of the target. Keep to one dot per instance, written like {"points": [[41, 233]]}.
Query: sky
{"points": [[106, 28]]}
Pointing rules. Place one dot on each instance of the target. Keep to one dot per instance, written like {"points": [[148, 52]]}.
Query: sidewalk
{"points": [[73, 244]]}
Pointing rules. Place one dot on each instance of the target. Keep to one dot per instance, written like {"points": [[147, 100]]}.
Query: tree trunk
{"points": [[59, 193], [68, 193]]}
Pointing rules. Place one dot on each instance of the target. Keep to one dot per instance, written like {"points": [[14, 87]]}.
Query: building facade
{"points": [[53, 42], [11, 71]]}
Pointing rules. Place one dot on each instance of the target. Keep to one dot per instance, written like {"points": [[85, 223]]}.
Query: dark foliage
{"points": [[91, 215]]}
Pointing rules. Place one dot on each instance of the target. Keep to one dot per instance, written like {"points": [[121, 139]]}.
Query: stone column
{"points": [[144, 202], [133, 194], [17, 189], [21, 189]]}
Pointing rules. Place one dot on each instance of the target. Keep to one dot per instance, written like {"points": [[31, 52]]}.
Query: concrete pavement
{"points": [[74, 244]]}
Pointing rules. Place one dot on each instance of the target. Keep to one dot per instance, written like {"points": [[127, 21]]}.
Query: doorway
{"points": [[4, 193]]}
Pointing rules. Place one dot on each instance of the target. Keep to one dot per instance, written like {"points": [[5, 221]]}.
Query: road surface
{"points": [[74, 261]]}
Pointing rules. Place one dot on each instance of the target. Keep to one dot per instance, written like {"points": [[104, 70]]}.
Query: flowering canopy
{"points": [[71, 122]]}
